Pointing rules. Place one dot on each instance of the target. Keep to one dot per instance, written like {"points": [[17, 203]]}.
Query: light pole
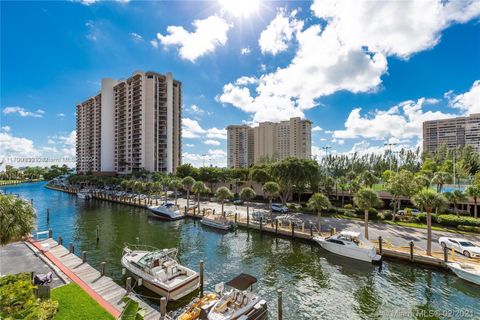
{"points": [[390, 145], [326, 155], [204, 155]]}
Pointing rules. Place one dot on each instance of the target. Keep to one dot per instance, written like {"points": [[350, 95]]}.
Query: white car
{"points": [[464, 246]]}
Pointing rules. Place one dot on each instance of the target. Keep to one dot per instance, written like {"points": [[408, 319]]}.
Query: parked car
{"points": [[464, 246], [176, 193], [278, 207], [238, 202]]}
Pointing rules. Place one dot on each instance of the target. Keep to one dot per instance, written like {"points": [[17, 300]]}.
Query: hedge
{"points": [[454, 221], [469, 228]]}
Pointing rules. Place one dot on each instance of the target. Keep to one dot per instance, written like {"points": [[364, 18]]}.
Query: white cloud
{"points": [[214, 157], [212, 142], [135, 36], [275, 38], [189, 145], [338, 141], [69, 144], [51, 141], [242, 81], [209, 33], [196, 110], [154, 43], [402, 121], [90, 2], [317, 129], [61, 115], [192, 129], [6, 128], [216, 133], [24, 113], [468, 102], [399, 28], [245, 51], [12, 146]]}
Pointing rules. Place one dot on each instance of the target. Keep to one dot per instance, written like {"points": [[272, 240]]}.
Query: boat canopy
{"points": [[153, 258], [242, 282]]}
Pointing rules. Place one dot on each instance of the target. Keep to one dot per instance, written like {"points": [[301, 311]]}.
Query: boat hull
{"points": [[217, 225], [161, 214], [361, 254], [463, 274]]}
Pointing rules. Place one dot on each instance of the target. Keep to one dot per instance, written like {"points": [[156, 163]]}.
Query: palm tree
{"points": [[319, 201], [165, 185], [366, 199], [222, 194], [474, 192], [428, 200], [247, 194], [198, 188], [148, 187], [271, 190], [175, 184], [455, 197], [440, 178], [17, 218], [187, 184], [124, 184]]}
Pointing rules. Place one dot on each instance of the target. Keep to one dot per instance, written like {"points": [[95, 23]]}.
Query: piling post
{"points": [[411, 250], [293, 230], [97, 234], [248, 219], [202, 271], [280, 305], [163, 307], [60, 240], [31, 201], [50, 233], [203, 212], [71, 248], [311, 229], [102, 268], [84, 256], [48, 215], [380, 245], [185, 210], [129, 285], [331, 232], [445, 254], [276, 226], [261, 224], [235, 217], [213, 211]]}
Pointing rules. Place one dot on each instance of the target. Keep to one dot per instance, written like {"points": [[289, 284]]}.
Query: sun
{"points": [[240, 8]]}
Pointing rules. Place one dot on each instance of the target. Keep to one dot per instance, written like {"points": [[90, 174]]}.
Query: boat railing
{"points": [[145, 247]]}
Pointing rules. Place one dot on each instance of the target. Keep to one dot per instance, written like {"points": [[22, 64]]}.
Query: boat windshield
{"points": [[156, 258]]}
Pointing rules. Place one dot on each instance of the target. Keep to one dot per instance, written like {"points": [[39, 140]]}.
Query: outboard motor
{"points": [[43, 279]]}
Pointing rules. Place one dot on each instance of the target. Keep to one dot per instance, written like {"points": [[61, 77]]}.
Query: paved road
{"points": [[17, 258], [397, 235]]}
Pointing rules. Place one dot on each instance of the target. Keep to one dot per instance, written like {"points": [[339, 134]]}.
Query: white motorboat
{"points": [[349, 244], [84, 195], [167, 211], [218, 222], [237, 302], [466, 271], [160, 271]]}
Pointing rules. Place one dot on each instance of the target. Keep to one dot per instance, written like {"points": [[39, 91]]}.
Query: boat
{"points": [[350, 244], [218, 222], [466, 271], [238, 302], [199, 307], [84, 195], [160, 271], [167, 211]]}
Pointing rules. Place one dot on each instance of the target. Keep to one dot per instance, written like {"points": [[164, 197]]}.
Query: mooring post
{"points": [[71, 248], [293, 230], [48, 215], [31, 201], [261, 223], [248, 219], [280, 305], [50, 233], [163, 307], [97, 233], [129, 285], [202, 270], [203, 212], [84, 256], [311, 229], [380, 245], [60, 240], [235, 217], [411, 250], [102, 268], [445, 254], [185, 210], [276, 226]]}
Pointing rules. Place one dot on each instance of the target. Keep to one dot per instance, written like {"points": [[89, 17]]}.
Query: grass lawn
{"points": [[74, 303]]}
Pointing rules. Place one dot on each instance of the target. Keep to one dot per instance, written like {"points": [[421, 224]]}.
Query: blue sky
{"points": [[365, 73]]}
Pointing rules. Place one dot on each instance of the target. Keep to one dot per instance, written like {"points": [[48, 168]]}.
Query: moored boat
{"points": [[466, 271], [218, 222], [167, 211], [350, 244], [84, 195], [160, 271], [199, 307]]}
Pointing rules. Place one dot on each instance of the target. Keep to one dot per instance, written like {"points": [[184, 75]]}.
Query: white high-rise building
{"points": [[136, 124]]}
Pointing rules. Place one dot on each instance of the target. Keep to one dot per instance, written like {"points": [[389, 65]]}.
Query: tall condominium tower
{"points": [[269, 141], [139, 125], [461, 131]]}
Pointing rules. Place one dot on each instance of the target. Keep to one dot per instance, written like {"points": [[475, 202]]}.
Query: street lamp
{"points": [[390, 145]]}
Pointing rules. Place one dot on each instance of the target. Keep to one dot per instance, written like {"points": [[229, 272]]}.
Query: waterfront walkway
{"points": [[101, 288]]}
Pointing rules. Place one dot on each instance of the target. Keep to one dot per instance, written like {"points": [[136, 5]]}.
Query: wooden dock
{"points": [[101, 288]]}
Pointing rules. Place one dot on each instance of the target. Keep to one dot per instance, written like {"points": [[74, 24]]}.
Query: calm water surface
{"points": [[316, 284]]}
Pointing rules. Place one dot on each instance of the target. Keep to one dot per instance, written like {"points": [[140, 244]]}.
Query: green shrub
{"points": [[350, 214], [422, 218], [372, 213], [387, 215], [408, 212], [454, 221], [469, 228], [348, 206]]}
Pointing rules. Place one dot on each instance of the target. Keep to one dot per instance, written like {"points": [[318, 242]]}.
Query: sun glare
{"points": [[240, 8]]}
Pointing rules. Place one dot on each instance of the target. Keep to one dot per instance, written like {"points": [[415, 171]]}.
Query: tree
{"points": [[271, 190], [366, 199], [401, 184], [148, 187], [17, 218], [259, 175], [138, 187], [247, 194], [222, 194], [441, 178], [198, 188], [474, 192], [368, 179], [318, 202], [429, 200], [455, 197], [187, 184], [175, 184], [186, 170]]}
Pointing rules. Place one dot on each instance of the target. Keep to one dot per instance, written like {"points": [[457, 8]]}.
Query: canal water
{"points": [[316, 284]]}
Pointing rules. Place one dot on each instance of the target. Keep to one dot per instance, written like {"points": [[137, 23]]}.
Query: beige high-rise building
{"points": [[269, 141], [461, 131], [139, 126], [89, 135]]}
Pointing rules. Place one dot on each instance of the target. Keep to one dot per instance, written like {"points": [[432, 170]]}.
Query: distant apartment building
{"points": [[461, 131], [131, 124], [268, 141]]}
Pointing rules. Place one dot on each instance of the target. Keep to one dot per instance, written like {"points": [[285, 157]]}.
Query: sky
{"points": [[365, 73]]}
